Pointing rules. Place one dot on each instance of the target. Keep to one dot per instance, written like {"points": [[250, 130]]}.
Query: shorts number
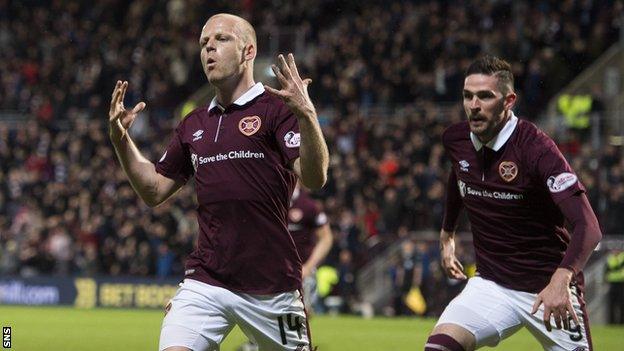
{"points": [[292, 324], [578, 335]]}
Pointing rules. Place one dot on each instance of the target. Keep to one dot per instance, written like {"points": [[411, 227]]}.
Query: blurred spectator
{"points": [[406, 274]]}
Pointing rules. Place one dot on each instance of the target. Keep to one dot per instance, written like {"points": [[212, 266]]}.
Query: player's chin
{"points": [[213, 77], [477, 127]]}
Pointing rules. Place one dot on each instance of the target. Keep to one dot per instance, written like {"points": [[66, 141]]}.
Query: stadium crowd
{"points": [[387, 81]]}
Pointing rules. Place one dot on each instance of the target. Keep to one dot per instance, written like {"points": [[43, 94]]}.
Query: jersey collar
{"points": [[249, 95], [499, 140]]}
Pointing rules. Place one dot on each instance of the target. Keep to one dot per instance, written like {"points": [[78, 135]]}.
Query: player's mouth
{"points": [[210, 64], [477, 119]]}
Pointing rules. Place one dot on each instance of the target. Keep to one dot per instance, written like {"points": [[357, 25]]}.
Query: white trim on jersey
{"points": [[500, 139], [249, 95]]}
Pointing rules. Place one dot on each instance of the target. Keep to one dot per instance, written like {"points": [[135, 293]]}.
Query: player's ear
{"points": [[510, 100], [249, 52]]}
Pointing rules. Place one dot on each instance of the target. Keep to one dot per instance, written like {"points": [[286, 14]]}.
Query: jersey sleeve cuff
{"points": [[570, 268], [174, 176]]}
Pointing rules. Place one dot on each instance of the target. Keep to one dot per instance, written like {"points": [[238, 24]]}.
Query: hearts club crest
{"points": [[249, 125]]}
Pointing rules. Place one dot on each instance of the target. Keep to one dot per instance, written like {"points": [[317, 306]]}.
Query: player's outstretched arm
{"points": [[151, 187], [313, 161], [321, 249]]}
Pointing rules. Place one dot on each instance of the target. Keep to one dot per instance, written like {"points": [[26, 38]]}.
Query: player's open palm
{"points": [[452, 267], [119, 117], [294, 90]]}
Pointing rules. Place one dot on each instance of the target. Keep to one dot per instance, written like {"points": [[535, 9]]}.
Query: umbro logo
{"points": [[198, 135], [463, 165]]}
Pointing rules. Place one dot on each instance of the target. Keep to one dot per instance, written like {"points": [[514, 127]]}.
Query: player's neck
{"points": [[487, 138], [229, 91]]}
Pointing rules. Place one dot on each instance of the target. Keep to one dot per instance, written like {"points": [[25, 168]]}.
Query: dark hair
{"points": [[492, 65]]}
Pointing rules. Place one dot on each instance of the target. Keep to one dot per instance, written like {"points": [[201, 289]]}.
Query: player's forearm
{"points": [[322, 247], [585, 235], [313, 152], [140, 171]]}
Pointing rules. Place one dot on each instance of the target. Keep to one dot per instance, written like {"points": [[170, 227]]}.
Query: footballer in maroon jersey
{"points": [[305, 220], [312, 235], [517, 190], [246, 150]]}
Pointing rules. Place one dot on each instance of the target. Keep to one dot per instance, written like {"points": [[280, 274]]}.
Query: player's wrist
{"points": [[306, 113], [563, 274], [116, 132]]}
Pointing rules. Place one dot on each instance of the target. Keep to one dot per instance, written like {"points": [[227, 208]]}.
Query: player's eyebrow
{"points": [[220, 34], [480, 93]]}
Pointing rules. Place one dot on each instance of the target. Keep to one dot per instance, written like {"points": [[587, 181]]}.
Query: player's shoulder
{"points": [[194, 115], [273, 105], [191, 119], [457, 132], [531, 137]]}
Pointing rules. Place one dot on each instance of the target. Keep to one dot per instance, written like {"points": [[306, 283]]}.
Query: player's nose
{"points": [[474, 104]]}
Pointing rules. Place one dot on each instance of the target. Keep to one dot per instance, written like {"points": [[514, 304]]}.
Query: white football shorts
{"points": [[492, 313], [202, 315]]}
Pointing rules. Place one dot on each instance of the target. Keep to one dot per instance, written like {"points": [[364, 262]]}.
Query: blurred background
{"points": [[387, 81]]}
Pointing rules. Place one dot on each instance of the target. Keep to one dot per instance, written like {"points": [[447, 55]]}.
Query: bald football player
{"points": [[246, 149]]}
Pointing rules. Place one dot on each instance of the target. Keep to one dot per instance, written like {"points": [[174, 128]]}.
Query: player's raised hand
{"points": [[119, 118], [452, 267], [294, 90], [557, 298]]}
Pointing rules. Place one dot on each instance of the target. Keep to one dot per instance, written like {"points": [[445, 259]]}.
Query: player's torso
{"points": [[499, 188], [492, 180], [235, 156]]}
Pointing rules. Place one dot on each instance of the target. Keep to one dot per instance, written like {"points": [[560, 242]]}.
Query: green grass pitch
{"points": [[69, 329]]}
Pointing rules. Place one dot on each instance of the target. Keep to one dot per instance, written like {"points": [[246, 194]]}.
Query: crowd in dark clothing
{"points": [[387, 81]]}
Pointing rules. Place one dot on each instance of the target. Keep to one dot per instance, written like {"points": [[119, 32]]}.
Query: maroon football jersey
{"points": [[304, 217], [239, 156], [510, 189]]}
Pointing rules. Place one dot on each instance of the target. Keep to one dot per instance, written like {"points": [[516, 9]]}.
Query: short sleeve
{"points": [[556, 175], [175, 163], [287, 134]]}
